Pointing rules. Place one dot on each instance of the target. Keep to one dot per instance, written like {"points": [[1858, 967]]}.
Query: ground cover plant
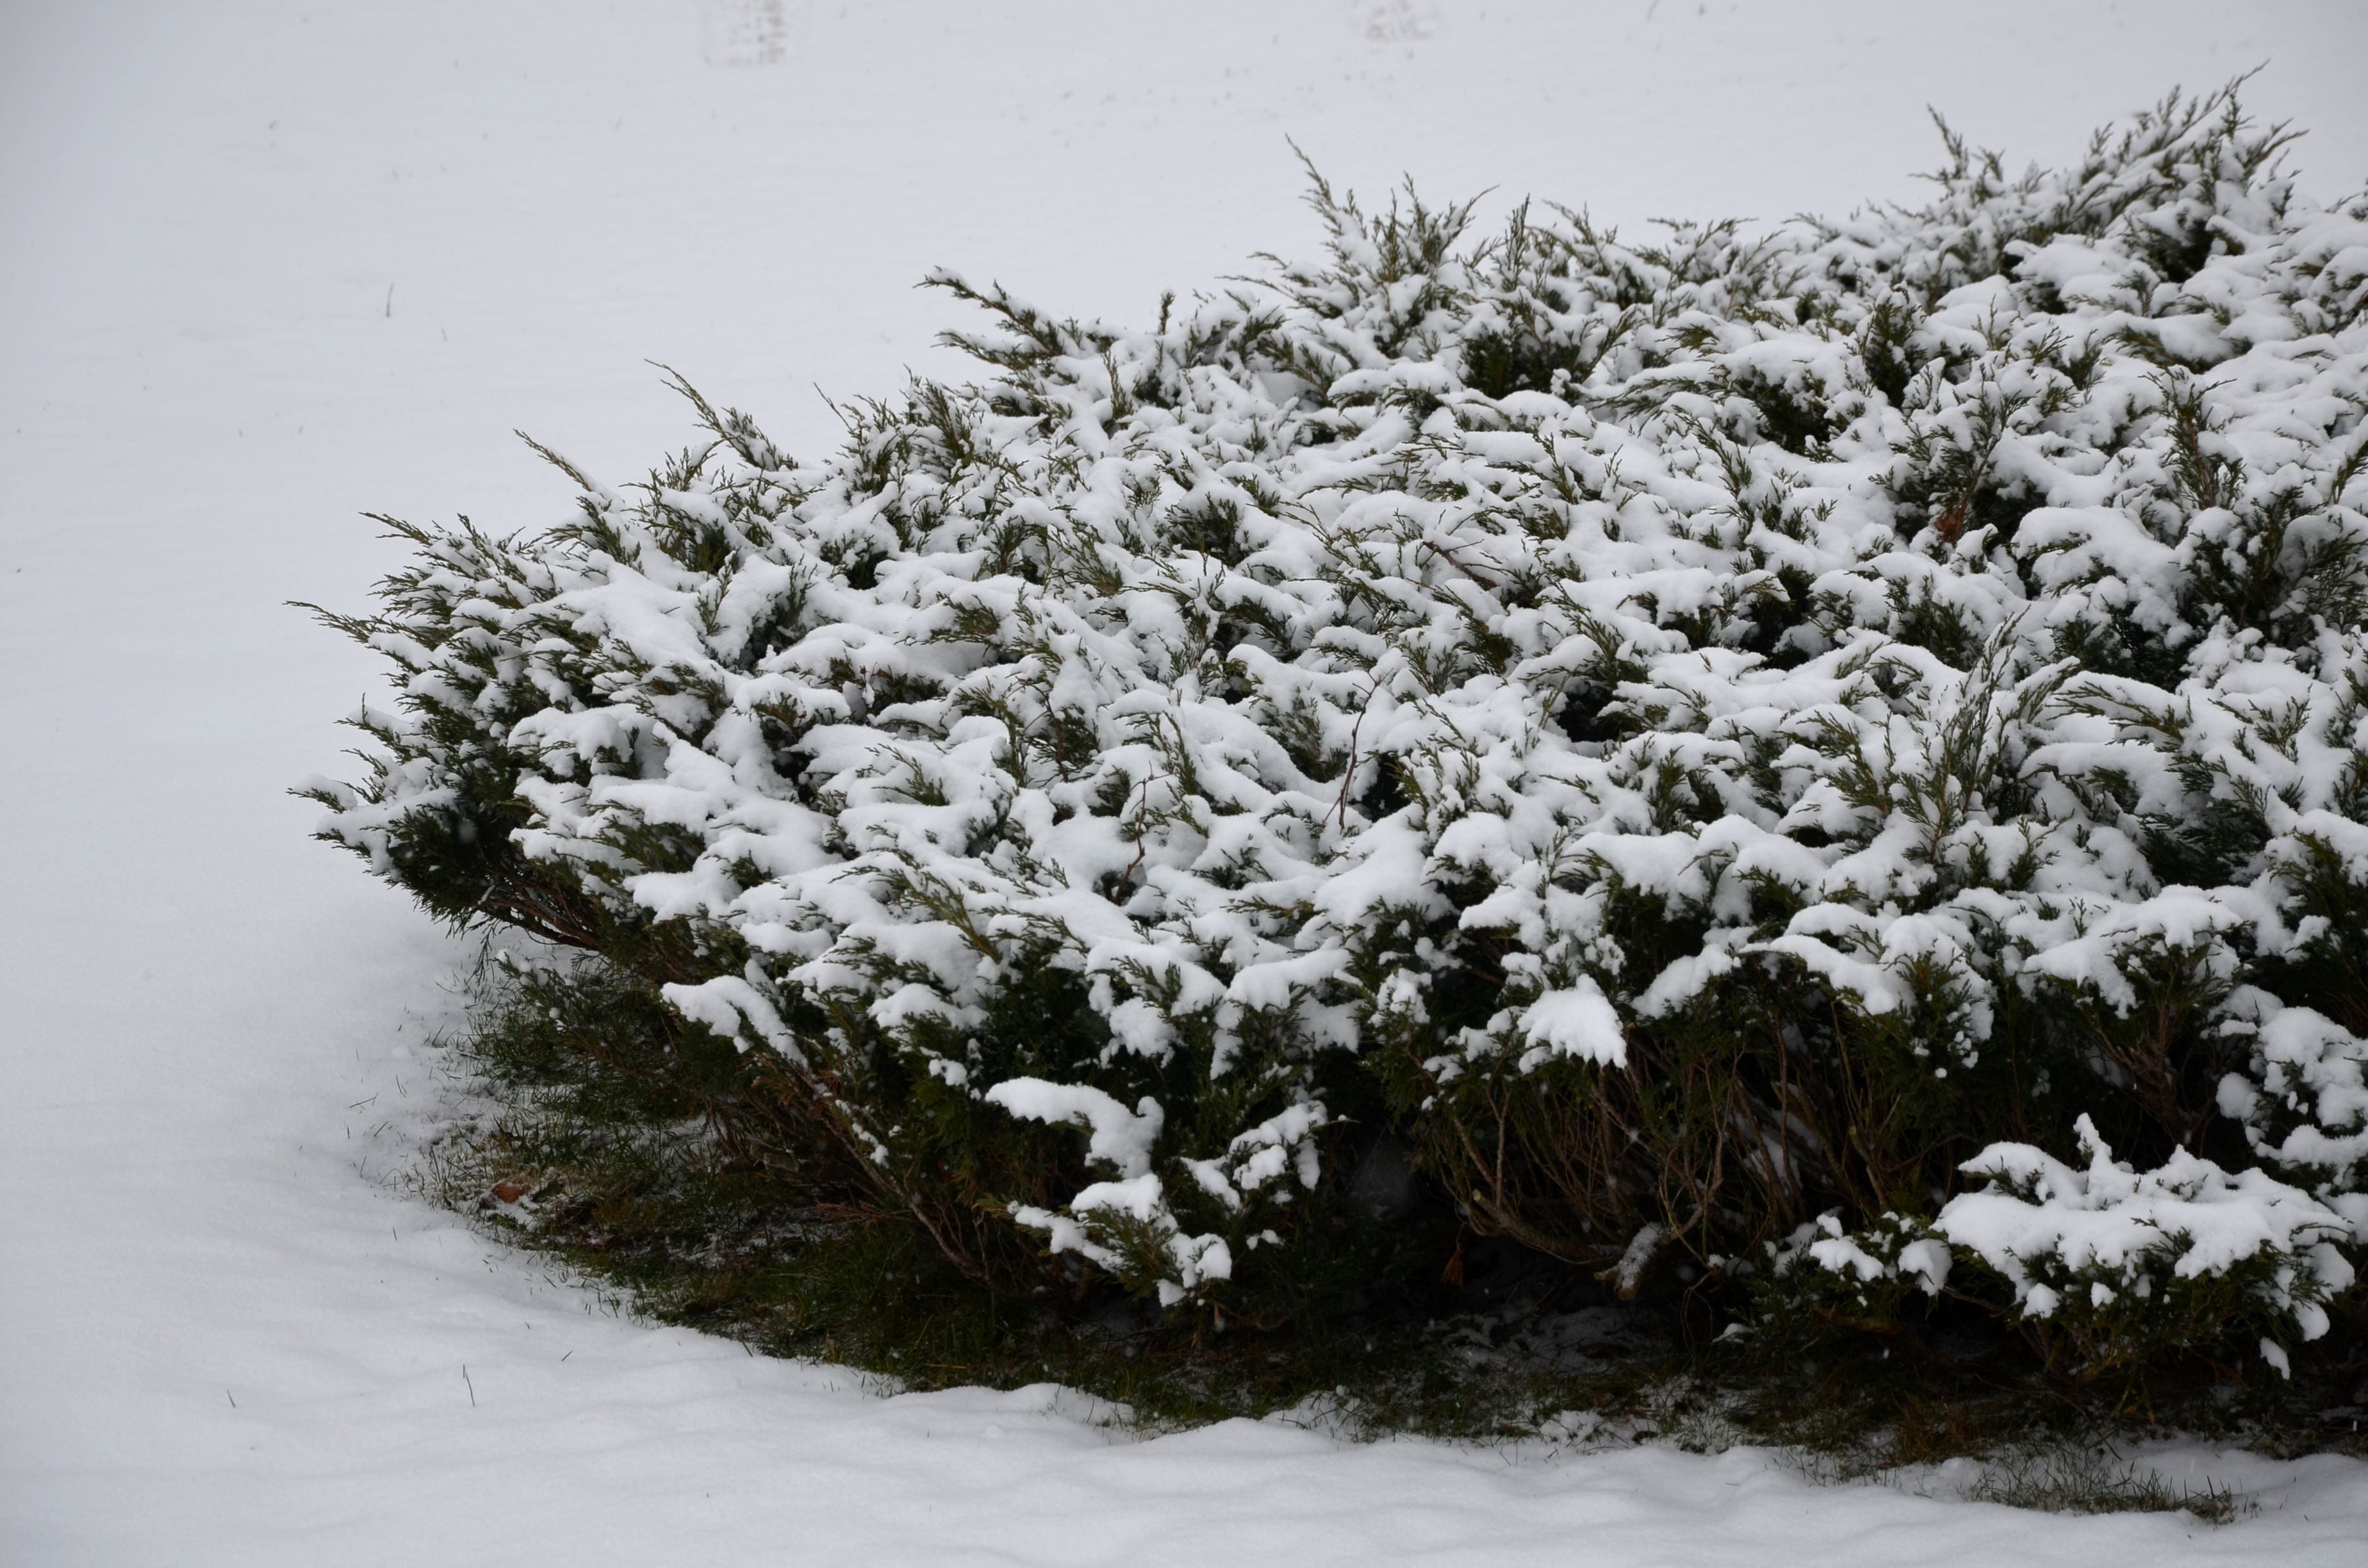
{"points": [[1810, 780]]}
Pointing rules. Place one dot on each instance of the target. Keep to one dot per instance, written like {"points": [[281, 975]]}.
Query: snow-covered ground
{"points": [[264, 266]]}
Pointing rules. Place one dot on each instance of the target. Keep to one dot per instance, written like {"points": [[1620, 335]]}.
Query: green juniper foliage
{"points": [[1821, 775]]}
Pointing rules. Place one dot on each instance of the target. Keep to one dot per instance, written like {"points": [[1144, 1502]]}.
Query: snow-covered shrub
{"points": [[2130, 1262], [1683, 737], [2106, 1265]]}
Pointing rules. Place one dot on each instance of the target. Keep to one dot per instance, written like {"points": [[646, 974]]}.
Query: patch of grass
{"points": [[599, 1144], [2075, 1478]]}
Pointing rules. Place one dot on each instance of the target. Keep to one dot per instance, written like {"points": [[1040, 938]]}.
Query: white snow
{"points": [[1120, 1137], [264, 266]]}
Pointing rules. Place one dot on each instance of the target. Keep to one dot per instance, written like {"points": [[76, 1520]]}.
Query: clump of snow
{"points": [[1891, 1249], [2303, 1099]]}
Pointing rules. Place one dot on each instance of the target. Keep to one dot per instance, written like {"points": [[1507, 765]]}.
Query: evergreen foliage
{"points": [[1822, 770]]}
